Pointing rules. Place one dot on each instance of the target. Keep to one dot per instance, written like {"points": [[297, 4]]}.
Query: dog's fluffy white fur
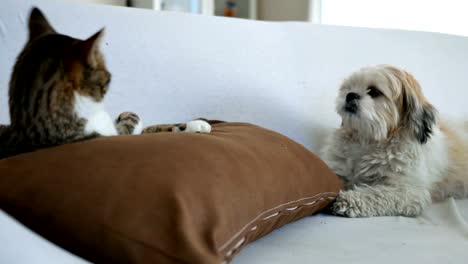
{"points": [[393, 153]]}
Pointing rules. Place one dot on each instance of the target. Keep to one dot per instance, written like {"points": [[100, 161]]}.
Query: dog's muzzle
{"points": [[351, 105]]}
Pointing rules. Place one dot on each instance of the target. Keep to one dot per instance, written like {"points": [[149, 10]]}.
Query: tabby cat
{"points": [[56, 94]]}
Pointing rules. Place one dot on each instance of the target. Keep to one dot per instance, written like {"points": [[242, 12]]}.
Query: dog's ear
{"points": [[418, 116], [420, 120]]}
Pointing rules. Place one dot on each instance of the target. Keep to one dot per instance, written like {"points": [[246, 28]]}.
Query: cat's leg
{"points": [[164, 128], [128, 123], [382, 200], [194, 126]]}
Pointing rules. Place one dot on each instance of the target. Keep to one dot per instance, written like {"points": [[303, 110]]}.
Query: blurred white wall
{"points": [[448, 16]]}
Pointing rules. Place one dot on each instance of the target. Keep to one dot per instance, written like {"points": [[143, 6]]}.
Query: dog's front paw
{"points": [[129, 123], [348, 204], [198, 126]]}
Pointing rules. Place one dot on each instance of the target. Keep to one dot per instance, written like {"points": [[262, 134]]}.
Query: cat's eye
{"points": [[373, 92]]}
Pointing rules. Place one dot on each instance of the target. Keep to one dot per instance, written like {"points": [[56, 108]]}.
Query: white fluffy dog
{"points": [[392, 152]]}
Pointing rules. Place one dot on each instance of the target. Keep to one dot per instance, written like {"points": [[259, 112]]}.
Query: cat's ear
{"points": [[38, 24], [88, 49]]}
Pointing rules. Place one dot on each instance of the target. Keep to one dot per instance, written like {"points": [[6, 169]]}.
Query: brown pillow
{"points": [[166, 198]]}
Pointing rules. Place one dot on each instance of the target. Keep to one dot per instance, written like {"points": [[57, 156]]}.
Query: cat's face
{"points": [[53, 67]]}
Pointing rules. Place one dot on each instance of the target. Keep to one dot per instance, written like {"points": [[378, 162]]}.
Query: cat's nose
{"points": [[352, 96]]}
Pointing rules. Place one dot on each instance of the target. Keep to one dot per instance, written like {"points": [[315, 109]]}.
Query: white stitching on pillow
{"points": [[270, 216], [229, 241], [243, 239]]}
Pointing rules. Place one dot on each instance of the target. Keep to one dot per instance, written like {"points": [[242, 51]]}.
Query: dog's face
{"points": [[383, 101]]}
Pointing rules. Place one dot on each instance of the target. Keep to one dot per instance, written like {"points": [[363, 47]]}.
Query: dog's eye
{"points": [[373, 92]]}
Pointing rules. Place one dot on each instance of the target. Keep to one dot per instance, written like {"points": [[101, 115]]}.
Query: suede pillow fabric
{"points": [[168, 197]]}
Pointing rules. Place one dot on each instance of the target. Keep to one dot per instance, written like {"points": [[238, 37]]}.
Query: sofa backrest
{"points": [[172, 67]]}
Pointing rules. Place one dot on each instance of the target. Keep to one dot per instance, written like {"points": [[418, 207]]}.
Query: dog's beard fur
{"points": [[372, 122]]}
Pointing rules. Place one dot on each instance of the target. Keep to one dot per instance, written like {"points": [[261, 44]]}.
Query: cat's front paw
{"points": [[198, 126], [129, 123]]}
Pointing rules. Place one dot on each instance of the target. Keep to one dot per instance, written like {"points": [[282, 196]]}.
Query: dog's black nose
{"points": [[352, 96]]}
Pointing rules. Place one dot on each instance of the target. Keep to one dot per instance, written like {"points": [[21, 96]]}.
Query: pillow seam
{"points": [[259, 216]]}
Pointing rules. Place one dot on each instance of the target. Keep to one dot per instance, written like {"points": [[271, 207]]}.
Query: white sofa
{"points": [[171, 67]]}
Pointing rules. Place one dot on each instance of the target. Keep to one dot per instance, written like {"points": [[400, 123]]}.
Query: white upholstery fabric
{"points": [[440, 235], [171, 67]]}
